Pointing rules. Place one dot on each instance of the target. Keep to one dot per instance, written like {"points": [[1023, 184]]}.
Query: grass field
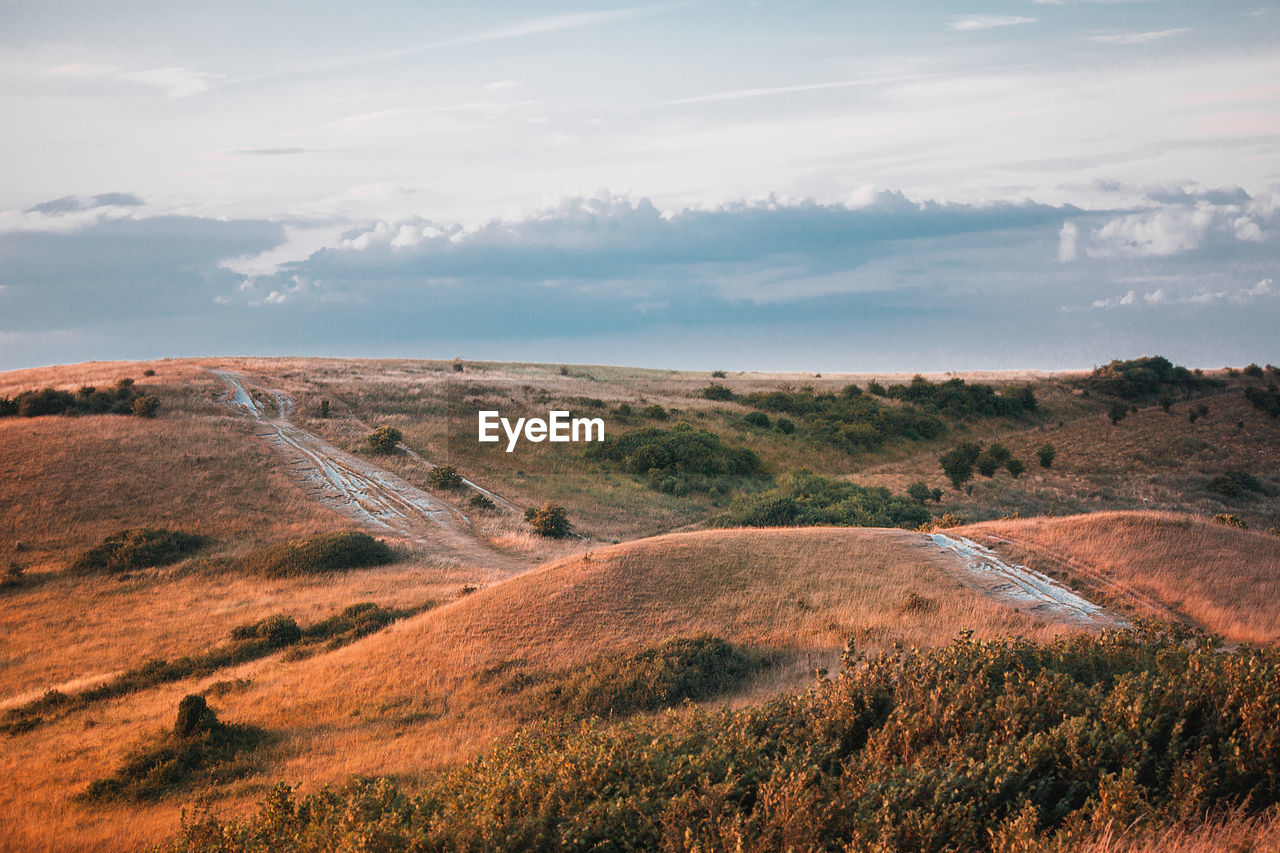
{"points": [[429, 692]]}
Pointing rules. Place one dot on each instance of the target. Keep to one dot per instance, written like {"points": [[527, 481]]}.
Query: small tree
{"points": [[1166, 401], [384, 439], [957, 463], [1045, 453], [1118, 412], [324, 408], [549, 520], [145, 406], [987, 464], [919, 491], [1014, 467], [482, 503], [785, 426]]}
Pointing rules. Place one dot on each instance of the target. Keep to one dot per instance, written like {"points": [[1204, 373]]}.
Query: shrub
{"points": [[1014, 467], [143, 548], [1233, 484], [956, 398], [384, 439], [1253, 371], [850, 420], [325, 552], [716, 391], [1046, 453], [549, 520], [957, 463], [655, 412], [656, 677], [198, 748], [444, 477], [1264, 399], [987, 463], [757, 419], [276, 631], [482, 503], [149, 372], [145, 406], [803, 498], [717, 374], [624, 410], [785, 426], [324, 408], [679, 459], [1145, 378], [920, 492], [13, 575], [1119, 411], [874, 387], [1230, 520]]}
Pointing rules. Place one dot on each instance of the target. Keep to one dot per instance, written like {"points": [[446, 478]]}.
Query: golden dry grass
{"points": [[409, 700], [1224, 579]]}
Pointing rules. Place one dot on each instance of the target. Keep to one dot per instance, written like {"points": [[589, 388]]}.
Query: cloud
{"points": [[1136, 38], [177, 82], [74, 204], [765, 91], [268, 152], [969, 23], [1067, 238], [1182, 221]]}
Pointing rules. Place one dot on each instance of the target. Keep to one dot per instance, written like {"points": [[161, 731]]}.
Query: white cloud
{"points": [[1136, 38], [177, 82], [969, 23], [1067, 238], [1262, 288], [1128, 299], [1156, 296]]}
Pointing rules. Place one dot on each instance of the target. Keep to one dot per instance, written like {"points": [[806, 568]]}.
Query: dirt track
{"points": [[364, 492], [1021, 587]]}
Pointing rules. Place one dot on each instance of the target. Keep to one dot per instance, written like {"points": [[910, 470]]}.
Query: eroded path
{"points": [[362, 491], [1023, 588]]}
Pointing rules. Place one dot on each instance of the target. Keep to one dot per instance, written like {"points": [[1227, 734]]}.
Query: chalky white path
{"points": [[1021, 587]]}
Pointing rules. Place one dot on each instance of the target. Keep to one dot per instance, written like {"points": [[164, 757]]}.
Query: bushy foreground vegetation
{"points": [[199, 748], [1265, 399], [143, 548], [246, 643], [678, 460], [124, 398], [981, 745], [805, 499], [324, 552]]}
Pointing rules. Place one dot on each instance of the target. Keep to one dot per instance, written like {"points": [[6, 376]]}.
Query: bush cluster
{"points": [[958, 399], [678, 460], [850, 420], [143, 548], [1144, 379], [324, 552], [1234, 484], [550, 520], [803, 498], [384, 439], [445, 477], [124, 398], [980, 745], [958, 462], [1264, 399], [659, 676]]}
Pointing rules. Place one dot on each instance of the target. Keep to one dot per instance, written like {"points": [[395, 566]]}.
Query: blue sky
{"points": [[824, 186]]}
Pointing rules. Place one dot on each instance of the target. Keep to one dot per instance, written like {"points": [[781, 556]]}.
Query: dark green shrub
{"points": [[785, 426], [803, 498], [1253, 371], [324, 408], [1119, 411], [1226, 518], [717, 374], [1014, 467], [482, 503], [145, 406], [659, 676], [384, 439], [850, 421], [276, 631], [138, 549], [693, 458], [325, 552], [1046, 453], [716, 391], [1166, 401], [1234, 484], [987, 463], [1145, 378], [874, 387], [655, 413], [957, 463], [958, 399], [1264, 399], [757, 419], [550, 520], [444, 477], [149, 372], [624, 410], [919, 491]]}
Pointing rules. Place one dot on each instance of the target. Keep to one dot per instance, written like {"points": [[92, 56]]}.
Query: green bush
{"points": [[1119, 411], [1014, 467], [88, 400], [1046, 453], [1253, 371], [1145, 378], [445, 477], [1234, 484], [384, 439], [143, 548], [1264, 399], [482, 503], [550, 520], [756, 419], [145, 406], [325, 552], [1229, 520], [987, 463], [957, 463], [786, 426], [716, 391], [849, 420], [980, 745], [958, 399], [655, 413], [803, 498], [681, 458]]}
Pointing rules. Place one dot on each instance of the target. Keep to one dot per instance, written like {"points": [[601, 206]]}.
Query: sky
{"points": [[825, 186]]}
